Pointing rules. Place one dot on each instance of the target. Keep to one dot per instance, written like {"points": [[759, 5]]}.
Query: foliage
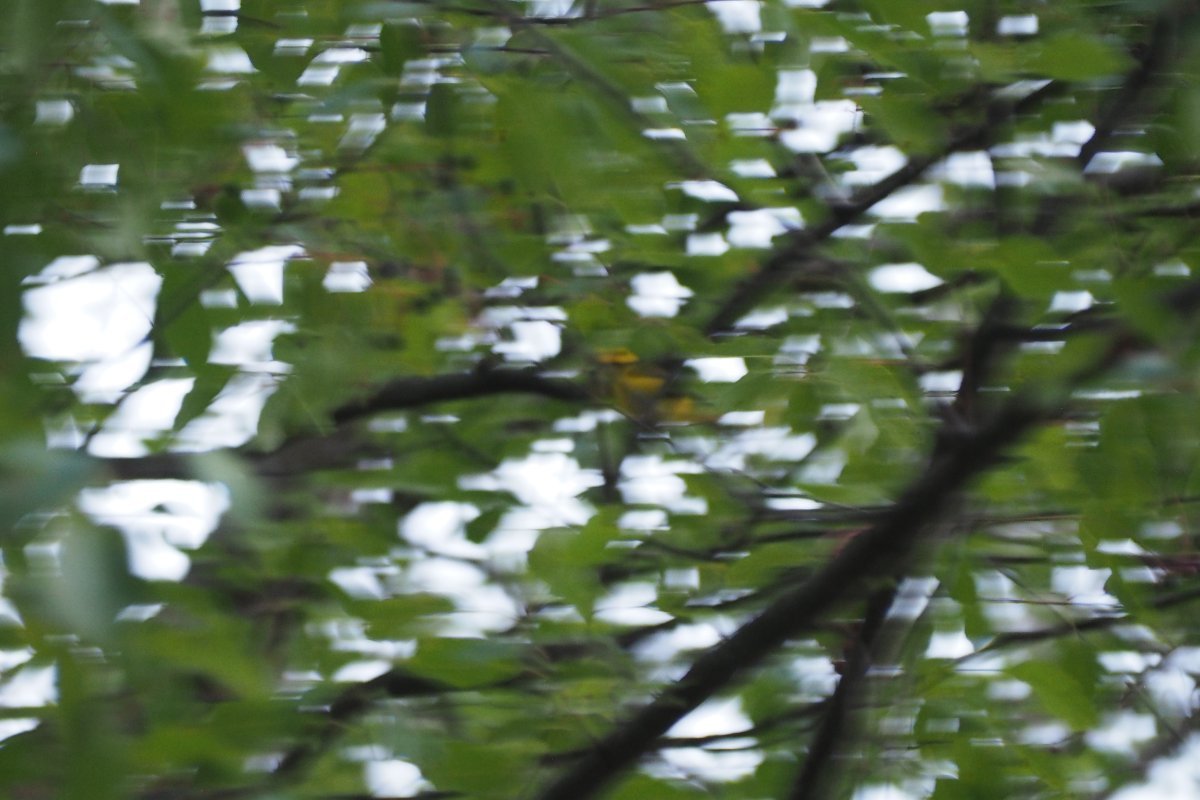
{"points": [[824, 369]]}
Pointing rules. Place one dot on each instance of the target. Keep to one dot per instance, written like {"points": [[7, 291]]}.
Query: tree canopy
{"points": [[598, 398]]}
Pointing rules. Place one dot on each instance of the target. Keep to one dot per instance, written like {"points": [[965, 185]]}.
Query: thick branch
{"points": [[867, 555]]}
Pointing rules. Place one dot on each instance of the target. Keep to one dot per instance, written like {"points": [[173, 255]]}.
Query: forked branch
{"points": [[872, 554]]}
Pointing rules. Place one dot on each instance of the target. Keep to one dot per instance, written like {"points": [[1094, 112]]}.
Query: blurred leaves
{"points": [[474, 591]]}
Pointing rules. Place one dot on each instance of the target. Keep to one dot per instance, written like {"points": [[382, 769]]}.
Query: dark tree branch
{"points": [[799, 248], [1167, 745], [981, 351], [304, 454], [873, 552], [790, 721], [666, 5], [411, 392], [333, 721], [813, 779], [1018, 638], [1155, 54], [346, 707]]}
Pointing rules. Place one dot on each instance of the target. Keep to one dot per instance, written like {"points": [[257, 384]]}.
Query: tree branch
{"points": [[1166, 746], [347, 706], [1016, 638], [665, 5], [813, 778], [411, 392], [679, 151], [799, 248], [1155, 54], [867, 555], [303, 454]]}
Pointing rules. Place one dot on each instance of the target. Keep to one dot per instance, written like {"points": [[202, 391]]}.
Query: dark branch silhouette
{"points": [[1166, 745], [569, 20], [308, 453], [1155, 54], [799, 249], [1094, 624], [346, 707], [814, 775], [870, 554], [417, 392]]}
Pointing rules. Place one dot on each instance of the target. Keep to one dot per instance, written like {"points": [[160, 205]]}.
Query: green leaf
{"points": [[484, 770], [568, 560], [1077, 57], [442, 110], [189, 334], [96, 582], [908, 122], [466, 662], [210, 380], [35, 479], [1061, 693], [399, 43], [643, 786]]}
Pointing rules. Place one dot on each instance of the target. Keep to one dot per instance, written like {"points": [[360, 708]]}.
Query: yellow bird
{"points": [[645, 392]]}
